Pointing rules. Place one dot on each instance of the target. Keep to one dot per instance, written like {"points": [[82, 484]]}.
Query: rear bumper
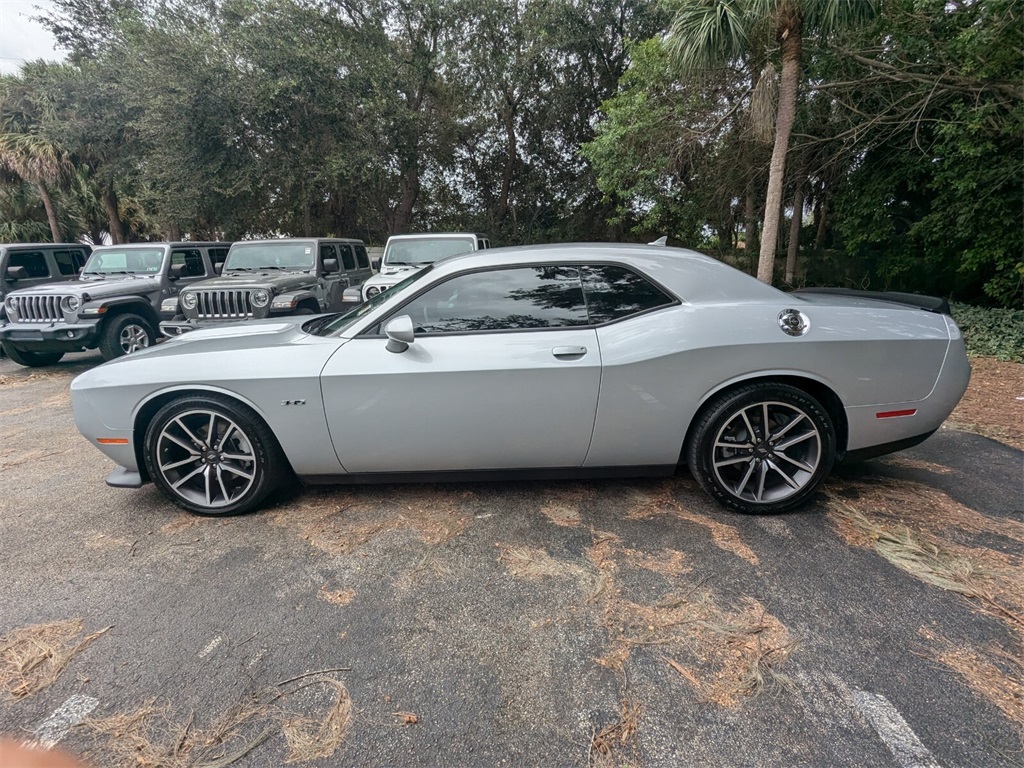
{"points": [[124, 478]]}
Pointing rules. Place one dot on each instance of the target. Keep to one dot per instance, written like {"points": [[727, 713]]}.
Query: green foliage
{"points": [[991, 332]]}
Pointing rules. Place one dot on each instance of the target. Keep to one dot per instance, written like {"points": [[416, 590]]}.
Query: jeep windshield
{"points": [[420, 251], [244, 257], [332, 324], [125, 261]]}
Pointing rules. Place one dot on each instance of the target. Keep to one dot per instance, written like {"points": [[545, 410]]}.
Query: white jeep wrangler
{"points": [[406, 254]]}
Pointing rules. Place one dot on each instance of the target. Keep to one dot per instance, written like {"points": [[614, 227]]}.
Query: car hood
{"points": [[251, 334], [97, 289], [279, 281], [388, 269]]}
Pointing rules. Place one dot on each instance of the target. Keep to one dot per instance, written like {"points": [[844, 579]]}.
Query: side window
{"points": [[326, 252], [346, 257], [66, 264], [79, 258], [34, 263], [501, 300], [617, 292], [217, 255], [480, 243], [364, 260], [192, 259]]}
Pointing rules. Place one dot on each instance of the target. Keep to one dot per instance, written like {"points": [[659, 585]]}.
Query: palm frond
{"points": [[705, 33]]}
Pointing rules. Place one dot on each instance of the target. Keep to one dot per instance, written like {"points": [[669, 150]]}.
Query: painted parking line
{"points": [[893, 730], [69, 714]]}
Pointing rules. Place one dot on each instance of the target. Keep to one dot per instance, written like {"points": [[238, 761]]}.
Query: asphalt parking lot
{"points": [[607, 623]]}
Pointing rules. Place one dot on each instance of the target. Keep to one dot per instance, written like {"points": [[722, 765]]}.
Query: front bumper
{"points": [[63, 337]]}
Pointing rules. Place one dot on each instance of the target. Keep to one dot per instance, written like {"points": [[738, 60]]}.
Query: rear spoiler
{"points": [[929, 303]]}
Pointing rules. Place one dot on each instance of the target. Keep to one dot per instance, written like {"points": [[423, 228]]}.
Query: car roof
{"points": [[46, 245], [172, 244], [270, 240], [427, 235], [694, 277]]}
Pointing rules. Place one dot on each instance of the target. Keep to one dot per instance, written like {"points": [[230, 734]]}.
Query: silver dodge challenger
{"points": [[546, 361]]}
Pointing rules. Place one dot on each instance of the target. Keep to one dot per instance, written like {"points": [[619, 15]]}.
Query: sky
{"points": [[22, 39]]}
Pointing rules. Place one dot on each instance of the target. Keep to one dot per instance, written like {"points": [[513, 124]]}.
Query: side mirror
{"points": [[400, 333], [177, 272], [352, 296], [218, 268], [330, 266], [375, 263], [14, 274]]}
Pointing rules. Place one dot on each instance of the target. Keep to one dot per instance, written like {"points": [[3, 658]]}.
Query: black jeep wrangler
{"points": [[272, 278], [114, 304]]}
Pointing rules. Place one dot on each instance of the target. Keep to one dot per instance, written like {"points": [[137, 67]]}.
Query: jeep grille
{"points": [[223, 305], [38, 309]]}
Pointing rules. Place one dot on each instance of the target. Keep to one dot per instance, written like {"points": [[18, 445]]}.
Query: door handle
{"points": [[569, 351]]}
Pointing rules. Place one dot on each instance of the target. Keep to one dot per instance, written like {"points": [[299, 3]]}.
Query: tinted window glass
{"points": [[193, 261], [327, 252], [79, 258], [364, 260], [616, 292], [65, 262], [346, 256], [507, 299], [33, 261], [217, 255]]}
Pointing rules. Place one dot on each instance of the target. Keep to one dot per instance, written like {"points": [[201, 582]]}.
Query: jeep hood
{"points": [[118, 285], [279, 281]]}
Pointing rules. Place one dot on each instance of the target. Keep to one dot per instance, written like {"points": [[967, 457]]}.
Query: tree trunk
{"points": [[794, 232], [750, 241], [173, 233], [51, 215], [114, 226], [819, 236], [783, 128], [511, 158], [410, 191]]}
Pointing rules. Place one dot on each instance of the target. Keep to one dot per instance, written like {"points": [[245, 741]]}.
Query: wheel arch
{"points": [[136, 307], [816, 388], [149, 407]]}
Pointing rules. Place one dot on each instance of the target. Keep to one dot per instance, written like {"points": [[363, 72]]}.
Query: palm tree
{"points": [[25, 153], [707, 33]]}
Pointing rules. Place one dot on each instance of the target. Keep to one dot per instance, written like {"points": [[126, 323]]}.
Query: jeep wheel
{"points": [[124, 334], [31, 359]]}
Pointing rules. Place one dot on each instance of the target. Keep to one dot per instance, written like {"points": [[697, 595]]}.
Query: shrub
{"points": [[991, 332]]}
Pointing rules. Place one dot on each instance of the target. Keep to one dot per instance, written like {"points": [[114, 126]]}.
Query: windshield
{"points": [[125, 261], [425, 250], [283, 255], [326, 326]]}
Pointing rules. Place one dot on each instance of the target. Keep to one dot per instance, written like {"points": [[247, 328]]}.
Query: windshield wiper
{"points": [[400, 264]]}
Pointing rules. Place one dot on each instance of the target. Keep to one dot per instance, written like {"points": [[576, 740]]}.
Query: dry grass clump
{"points": [[561, 514], [32, 658], [312, 739], [614, 746], [150, 737], [668, 562], [663, 502], [995, 674], [993, 579], [339, 523], [337, 596], [530, 563], [991, 407], [727, 653]]}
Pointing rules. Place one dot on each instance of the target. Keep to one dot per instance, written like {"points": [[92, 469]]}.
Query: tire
{"points": [[31, 359], [767, 474], [124, 334], [230, 476], [303, 311]]}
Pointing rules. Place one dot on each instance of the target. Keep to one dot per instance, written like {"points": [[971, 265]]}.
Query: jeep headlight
{"points": [[260, 298], [9, 303], [189, 300], [373, 290], [70, 304]]}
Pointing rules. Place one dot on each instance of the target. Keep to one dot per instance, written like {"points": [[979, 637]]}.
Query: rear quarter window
{"points": [[614, 293], [364, 260]]}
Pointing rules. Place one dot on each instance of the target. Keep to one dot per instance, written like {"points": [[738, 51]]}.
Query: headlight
{"points": [[373, 290], [260, 297], [70, 304], [9, 303], [169, 305], [189, 300]]}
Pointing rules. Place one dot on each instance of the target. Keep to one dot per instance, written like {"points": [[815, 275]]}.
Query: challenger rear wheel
{"points": [[762, 448], [213, 456]]}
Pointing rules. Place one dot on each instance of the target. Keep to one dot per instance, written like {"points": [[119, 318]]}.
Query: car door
{"points": [[504, 374]]}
